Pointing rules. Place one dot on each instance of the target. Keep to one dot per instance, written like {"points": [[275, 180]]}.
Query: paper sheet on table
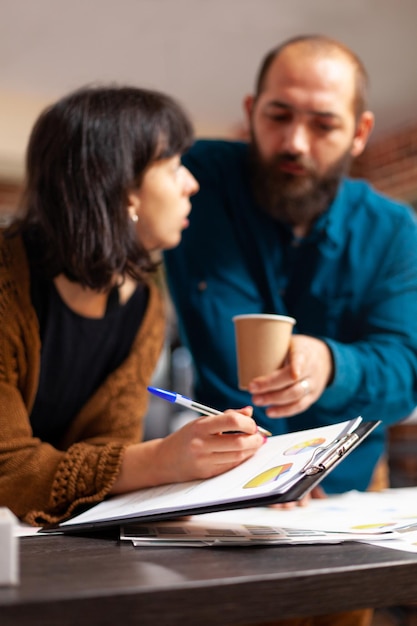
{"points": [[199, 532], [354, 512], [373, 517], [389, 516]]}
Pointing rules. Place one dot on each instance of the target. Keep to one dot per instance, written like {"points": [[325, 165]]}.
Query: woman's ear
{"points": [[363, 131], [133, 205]]}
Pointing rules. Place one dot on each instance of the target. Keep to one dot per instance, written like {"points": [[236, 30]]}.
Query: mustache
{"points": [[297, 159]]}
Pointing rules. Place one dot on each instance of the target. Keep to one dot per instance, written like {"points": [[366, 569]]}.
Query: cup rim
{"points": [[271, 316]]}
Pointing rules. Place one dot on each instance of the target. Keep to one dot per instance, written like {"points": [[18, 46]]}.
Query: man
{"points": [[277, 227]]}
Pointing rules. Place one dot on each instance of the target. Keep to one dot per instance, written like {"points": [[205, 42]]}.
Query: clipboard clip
{"points": [[324, 457]]}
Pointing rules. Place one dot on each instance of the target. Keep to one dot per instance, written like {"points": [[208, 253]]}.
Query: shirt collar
{"points": [[329, 230]]}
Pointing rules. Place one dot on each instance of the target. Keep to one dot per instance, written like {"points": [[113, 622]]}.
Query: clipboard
{"points": [[285, 469]]}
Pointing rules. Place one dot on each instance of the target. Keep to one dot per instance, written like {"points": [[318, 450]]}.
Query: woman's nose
{"points": [[191, 184]]}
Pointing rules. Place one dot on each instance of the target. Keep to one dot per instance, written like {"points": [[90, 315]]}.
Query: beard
{"points": [[290, 198]]}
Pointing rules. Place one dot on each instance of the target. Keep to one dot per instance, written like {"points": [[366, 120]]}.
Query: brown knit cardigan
{"points": [[39, 483]]}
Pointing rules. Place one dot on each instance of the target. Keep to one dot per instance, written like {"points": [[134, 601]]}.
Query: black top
{"points": [[77, 353]]}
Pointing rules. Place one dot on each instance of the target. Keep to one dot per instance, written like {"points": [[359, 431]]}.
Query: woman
{"points": [[81, 315]]}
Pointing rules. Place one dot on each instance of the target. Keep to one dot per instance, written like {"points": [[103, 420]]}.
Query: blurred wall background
{"points": [[204, 52]]}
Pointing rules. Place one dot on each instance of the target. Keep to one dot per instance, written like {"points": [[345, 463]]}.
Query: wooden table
{"points": [[95, 581]]}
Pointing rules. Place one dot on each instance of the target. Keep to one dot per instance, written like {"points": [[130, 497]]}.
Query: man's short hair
{"points": [[323, 45]]}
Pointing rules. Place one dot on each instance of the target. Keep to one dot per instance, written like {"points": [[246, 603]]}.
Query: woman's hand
{"points": [[295, 387], [210, 445], [203, 448]]}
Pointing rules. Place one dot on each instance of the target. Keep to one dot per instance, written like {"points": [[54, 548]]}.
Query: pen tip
{"points": [[162, 393]]}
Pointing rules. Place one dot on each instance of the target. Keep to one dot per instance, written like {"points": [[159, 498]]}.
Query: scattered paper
{"points": [[389, 516]]}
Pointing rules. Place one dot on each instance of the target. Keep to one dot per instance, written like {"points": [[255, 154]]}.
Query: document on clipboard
{"points": [[284, 469]]}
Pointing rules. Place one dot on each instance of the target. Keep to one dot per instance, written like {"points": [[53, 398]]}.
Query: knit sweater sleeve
{"points": [[39, 483]]}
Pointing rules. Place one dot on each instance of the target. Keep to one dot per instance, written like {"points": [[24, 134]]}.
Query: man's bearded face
{"points": [[294, 198]]}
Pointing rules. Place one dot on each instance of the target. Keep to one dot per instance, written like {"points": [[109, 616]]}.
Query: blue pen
{"points": [[177, 398]]}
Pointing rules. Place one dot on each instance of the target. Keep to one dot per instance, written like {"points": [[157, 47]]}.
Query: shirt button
{"points": [[202, 286]]}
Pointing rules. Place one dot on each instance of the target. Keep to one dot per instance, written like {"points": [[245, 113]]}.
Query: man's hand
{"points": [[317, 493], [299, 383]]}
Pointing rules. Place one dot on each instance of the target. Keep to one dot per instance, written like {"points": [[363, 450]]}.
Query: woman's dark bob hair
{"points": [[86, 153]]}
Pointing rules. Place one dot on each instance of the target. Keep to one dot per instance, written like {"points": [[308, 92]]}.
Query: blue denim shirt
{"points": [[352, 282]]}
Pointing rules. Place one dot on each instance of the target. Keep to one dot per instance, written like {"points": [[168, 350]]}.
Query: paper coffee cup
{"points": [[262, 343]]}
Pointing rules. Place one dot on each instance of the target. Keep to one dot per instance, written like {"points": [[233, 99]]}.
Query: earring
{"points": [[134, 217]]}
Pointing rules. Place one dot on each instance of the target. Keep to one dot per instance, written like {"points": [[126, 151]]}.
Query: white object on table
{"points": [[9, 554]]}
